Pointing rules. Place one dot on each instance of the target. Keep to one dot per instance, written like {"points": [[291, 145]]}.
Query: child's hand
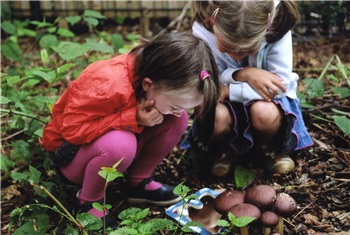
{"points": [[262, 81], [147, 114]]}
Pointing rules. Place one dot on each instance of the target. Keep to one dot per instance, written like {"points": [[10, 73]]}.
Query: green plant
{"points": [[235, 222], [338, 74], [31, 81]]}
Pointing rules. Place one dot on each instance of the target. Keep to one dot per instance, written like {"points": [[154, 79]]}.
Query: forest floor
{"points": [[320, 183]]}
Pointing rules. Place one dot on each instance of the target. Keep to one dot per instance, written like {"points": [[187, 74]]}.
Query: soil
{"points": [[320, 183]]}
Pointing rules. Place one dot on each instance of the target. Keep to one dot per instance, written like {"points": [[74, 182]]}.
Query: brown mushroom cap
{"points": [[269, 219], [261, 196], [284, 205], [227, 199], [245, 209]]}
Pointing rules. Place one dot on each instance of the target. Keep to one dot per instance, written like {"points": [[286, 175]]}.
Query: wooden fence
{"points": [[112, 9]]}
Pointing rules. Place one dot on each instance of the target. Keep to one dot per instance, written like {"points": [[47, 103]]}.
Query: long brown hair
{"points": [[174, 61], [243, 24]]}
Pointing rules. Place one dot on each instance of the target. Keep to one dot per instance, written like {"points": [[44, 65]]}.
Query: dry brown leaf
{"points": [[10, 192], [311, 219]]}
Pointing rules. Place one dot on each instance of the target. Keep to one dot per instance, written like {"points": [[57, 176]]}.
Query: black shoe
{"points": [[109, 219], [162, 196]]}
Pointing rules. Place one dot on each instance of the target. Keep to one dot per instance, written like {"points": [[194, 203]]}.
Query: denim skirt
{"points": [[292, 136]]}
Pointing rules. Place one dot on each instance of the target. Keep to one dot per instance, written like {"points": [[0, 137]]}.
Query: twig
{"points": [[301, 211], [81, 228], [177, 19], [14, 134]]}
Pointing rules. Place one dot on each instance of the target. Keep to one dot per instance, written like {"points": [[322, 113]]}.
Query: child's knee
{"points": [[265, 115], [223, 122]]}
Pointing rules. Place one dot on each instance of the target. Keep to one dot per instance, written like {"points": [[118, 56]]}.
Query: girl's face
{"points": [[171, 102], [224, 47]]}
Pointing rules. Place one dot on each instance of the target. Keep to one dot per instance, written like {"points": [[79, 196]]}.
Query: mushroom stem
{"points": [[279, 227], [244, 230], [267, 230]]}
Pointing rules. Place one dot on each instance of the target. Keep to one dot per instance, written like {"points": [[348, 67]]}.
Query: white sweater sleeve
{"points": [[276, 58]]}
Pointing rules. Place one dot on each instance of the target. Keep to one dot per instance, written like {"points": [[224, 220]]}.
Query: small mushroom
{"points": [[261, 196], [268, 219], [245, 209], [227, 199], [284, 206]]}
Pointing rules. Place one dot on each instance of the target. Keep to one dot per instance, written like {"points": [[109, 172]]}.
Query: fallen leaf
{"points": [[10, 192]]}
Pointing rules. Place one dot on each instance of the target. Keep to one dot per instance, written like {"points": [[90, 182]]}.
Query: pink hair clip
{"points": [[213, 16], [204, 74]]}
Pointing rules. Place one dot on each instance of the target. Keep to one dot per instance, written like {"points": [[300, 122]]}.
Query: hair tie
{"points": [[204, 74], [213, 16]]}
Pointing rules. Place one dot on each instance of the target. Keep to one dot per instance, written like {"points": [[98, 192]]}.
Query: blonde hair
{"points": [[243, 24]]}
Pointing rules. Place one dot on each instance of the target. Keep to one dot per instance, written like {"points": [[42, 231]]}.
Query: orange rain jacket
{"points": [[101, 99]]}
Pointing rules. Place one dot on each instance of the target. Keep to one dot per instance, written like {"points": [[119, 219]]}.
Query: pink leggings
{"points": [[140, 155]]}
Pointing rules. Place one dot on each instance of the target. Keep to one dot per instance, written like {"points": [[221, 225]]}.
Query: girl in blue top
{"points": [[252, 45]]}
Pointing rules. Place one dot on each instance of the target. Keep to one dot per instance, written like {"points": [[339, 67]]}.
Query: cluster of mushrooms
{"points": [[260, 202]]}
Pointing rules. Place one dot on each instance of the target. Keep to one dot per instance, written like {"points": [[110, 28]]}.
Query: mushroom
{"points": [[245, 209], [227, 199], [261, 196], [283, 206], [284, 165], [268, 219], [207, 215]]}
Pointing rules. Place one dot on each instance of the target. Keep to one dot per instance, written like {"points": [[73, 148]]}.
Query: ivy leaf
{"points": [[89, 221], [70, 50], [343, 123], [243, 176]]}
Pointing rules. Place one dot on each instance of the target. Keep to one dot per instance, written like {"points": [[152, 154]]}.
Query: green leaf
{"points": [[315, 87], [243, 176], [91, 21], [25, 32], [4, 100], [125, 231], [52, 30], [8, 27], [34, 176], [343, 123], [72, 20], [343, 92], [101, 47], [243, 221], [71, 231], [48, 40], [41, 24], [94, 14], [181, 189], [71, 50], [6, 163], [89, 221], [65, 33], [117, 41], [20, 176], [27, 228], [44, 56], [222, 223], [47, 77], [11, 50]]}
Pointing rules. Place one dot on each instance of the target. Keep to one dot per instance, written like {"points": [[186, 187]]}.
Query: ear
{"points": [[146, 84]]}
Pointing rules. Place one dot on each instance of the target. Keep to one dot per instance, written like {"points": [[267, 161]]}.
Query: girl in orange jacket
{"points": [[132, 108]]}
